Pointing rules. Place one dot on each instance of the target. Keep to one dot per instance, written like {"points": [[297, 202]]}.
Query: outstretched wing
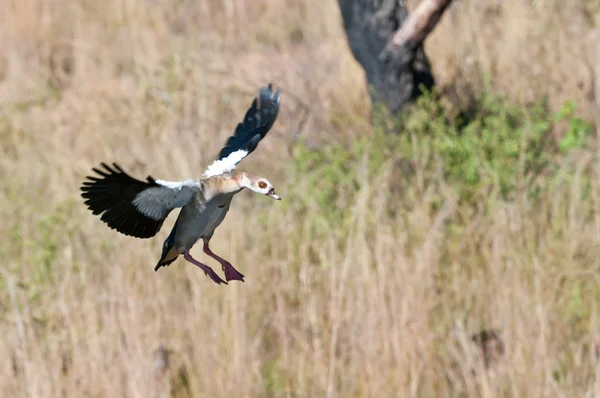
{"points": [[133, 207], [258, 121]]}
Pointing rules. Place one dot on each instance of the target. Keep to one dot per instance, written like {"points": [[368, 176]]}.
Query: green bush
{"points": [[493, 146], [495, 143]]}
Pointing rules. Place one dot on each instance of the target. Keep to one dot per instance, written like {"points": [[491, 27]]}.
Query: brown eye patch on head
{"points": [[262, 184]]}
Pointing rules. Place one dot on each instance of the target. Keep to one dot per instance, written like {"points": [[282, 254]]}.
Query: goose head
{"points": [[257, 184]]}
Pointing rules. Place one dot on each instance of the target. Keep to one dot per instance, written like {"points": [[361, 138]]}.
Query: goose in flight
{"points": [[139, 208]]}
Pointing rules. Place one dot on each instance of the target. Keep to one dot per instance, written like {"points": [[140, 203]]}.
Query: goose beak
{"points": [[273, 195]]}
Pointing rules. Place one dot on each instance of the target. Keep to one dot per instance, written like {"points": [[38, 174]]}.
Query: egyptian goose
{"points": [[139, 208]]}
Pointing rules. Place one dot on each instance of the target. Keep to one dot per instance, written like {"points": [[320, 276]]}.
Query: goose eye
{"points": [[262, 184]]}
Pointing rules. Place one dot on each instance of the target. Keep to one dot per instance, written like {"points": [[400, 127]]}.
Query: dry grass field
{"points": [[379, 301]]}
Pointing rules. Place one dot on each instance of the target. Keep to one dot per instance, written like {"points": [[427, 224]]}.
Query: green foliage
{"points": [[495, 143], [577, 129], [274, 380], [494, 146], [330, 178]]}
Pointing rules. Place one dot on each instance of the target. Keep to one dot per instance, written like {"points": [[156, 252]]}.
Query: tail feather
{"points": [[164, 263], [169, 253]]}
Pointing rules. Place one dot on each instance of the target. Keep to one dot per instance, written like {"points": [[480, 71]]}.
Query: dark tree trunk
{"points": [[388, 42]]}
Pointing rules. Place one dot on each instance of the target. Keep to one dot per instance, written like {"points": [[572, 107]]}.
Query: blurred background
{"points": [[452, 250]]}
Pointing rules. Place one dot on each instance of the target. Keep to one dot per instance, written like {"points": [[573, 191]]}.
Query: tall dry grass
{"points": [[386, 308]]}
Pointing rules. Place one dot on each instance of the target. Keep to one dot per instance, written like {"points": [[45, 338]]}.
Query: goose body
{"points": [[138, 208], [199, 220]]}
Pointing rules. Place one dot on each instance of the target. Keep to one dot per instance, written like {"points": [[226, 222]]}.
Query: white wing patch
{"points": [[225, 165], [157, 202], [176, 184]]}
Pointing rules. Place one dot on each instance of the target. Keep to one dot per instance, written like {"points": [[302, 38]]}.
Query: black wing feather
{"points": [[112, 196], [257, 122]]}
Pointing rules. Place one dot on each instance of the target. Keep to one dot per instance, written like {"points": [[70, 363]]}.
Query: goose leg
{"points": [[207, 270], [230, 272]]}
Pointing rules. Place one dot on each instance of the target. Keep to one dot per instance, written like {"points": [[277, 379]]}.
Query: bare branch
{"points": [[415, 28]]}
